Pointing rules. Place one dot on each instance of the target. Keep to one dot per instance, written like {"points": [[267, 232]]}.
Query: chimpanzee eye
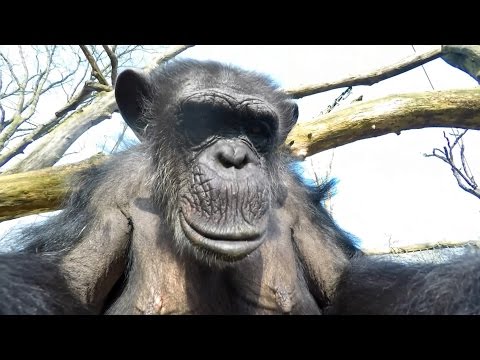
{"points": [[198, 122], [255, 129], [260, 134]]}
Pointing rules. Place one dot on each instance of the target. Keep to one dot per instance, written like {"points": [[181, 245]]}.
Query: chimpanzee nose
{"points": [[233, 155]]}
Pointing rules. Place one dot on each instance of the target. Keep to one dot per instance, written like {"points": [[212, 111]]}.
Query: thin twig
{"points": [[463, 175]]}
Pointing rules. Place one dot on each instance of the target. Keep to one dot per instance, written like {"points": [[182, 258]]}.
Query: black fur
{"points": [[372, 285], [168, 226], [32, 285]]}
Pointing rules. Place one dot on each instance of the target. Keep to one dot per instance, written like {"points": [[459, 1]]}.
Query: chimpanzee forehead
{"points": [[194, 75]]}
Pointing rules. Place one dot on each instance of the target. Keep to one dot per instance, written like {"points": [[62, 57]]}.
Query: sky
{"points": [[388, 193]]}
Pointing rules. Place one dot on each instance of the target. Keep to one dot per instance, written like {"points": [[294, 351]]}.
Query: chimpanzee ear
{"points": [[130, 89], [292, 119], [294, 112]]}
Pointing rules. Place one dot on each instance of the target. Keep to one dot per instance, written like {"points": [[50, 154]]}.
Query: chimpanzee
{"points": [[208, 216], [32, 284]]}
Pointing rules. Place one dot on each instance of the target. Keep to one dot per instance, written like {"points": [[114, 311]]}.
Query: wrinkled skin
{"points": [[207, 216]]}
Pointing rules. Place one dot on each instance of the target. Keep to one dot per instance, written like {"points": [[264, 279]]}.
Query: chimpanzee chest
{"points": [[164, 280]]}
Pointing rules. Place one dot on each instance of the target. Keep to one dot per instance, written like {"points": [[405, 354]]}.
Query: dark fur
{"points": [[372, 285], [123, 251], [32, 285]]}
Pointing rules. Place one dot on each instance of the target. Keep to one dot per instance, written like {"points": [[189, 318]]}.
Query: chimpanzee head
{"points": [[214, 134]]}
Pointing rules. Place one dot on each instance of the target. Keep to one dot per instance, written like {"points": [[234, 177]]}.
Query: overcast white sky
{"points": [[387, 189]]}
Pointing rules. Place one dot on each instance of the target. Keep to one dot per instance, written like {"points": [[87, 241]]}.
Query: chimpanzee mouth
{"points": [[230, 246]]}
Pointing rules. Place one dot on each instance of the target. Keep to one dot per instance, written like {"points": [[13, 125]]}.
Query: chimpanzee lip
{"points": [[229, 246]]}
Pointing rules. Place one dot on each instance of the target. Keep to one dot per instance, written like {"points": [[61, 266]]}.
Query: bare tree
{"points": [[84, 73], [26, 83]]}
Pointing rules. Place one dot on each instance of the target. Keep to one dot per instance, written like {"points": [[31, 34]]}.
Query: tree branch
{"points": [[463, 57], [113, 62], [392, 114], [420, 247], [28, 139], [37, 191], [167, 55], [2, 110], [462, 174], [369, 78], [96, 72], [69, 98], [10, 68], [19, 118]]}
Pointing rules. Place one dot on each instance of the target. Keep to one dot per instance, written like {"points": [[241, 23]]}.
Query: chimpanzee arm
{"points": [[31, 284], [94, 265], [377, 286], [91, 236], [322, 249]]}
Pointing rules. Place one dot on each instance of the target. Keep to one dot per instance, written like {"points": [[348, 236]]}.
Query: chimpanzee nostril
{"points": [[222, 159], [229, 156]]}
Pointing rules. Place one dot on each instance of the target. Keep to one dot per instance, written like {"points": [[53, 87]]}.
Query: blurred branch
{"points": [[463, 57], [421, 247], [120, 139], [369, 78], [167, 55]]}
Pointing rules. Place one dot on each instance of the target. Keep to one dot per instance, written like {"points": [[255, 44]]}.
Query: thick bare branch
{"points": [[39, 131], [52, 146], [37, 191], [96, 72], [75, 101], [98, 87], [464, 57], [392, 114], [2, 110], [421, 247], [113, 62], [167, 55], [369, 78], [88, 88], [7, 133]]}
